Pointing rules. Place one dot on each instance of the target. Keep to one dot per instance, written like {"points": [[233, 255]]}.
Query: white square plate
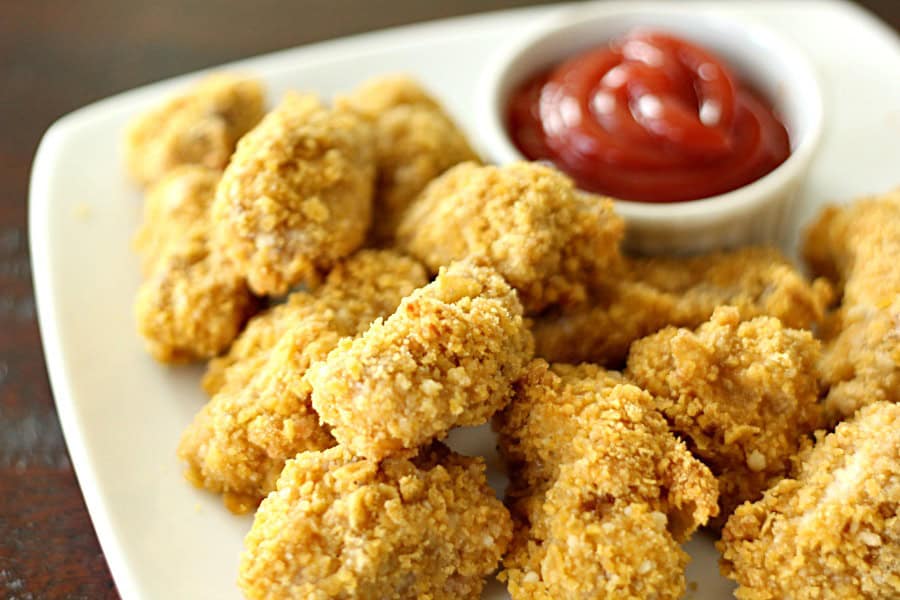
{"points": [[122, 413]]}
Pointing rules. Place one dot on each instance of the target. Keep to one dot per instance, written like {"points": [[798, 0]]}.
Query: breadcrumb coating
{"points": [[832, 531], [655, 292], [445, 358], [176, 208], [856, 246], [415, 141], [368, 285], [251, 348], [339, 526], [378, 95], [261, 414], [601, 492], [199, 127], [743, 395], [297, 196], [193, 302], [526, 219]]}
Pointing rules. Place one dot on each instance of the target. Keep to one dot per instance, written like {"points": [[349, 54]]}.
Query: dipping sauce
{"points": [[650, 118]]}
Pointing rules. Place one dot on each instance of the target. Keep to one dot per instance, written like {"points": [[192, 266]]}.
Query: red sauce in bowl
{"points": [[650, 118]]}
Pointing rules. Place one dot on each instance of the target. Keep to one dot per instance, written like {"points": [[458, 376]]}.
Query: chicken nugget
{"points": [[359, 289], [655, 292], [445, 358], [856, 246], [415, 141], [595, 470], [297, 196], [193, 302], [251, 348], [743, 395], [340, 526], [526, 220], [200, 127], [832, 531], [176, 208], [261, 415]]}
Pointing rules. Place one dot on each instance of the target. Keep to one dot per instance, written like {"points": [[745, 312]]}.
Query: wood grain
{"points": [[56, 55]]}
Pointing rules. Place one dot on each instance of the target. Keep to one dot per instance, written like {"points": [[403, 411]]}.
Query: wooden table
{"points": [[57, 55]]}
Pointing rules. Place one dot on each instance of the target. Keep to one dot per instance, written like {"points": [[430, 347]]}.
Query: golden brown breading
{"points": [[601, 492], [656, 292], [199, 127], [833, 530], [260, 415], [193, 302], [251, 348], [345, 527], [368, 285], [239, 441], [415, 141], [176, 208], [378, 95], [445, 358], [297, 196], [743, 395], [527, 220], [857, 246]]}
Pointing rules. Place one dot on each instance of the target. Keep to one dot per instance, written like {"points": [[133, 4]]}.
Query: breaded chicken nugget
{"points": [[744, 396], [526, 219], [601, 492], [176, 208], [239, 441], [261, 415], [251, 348], [193, 302], [856, 246], [832, 531], [445, 358], [346, 527], [297, 196], [655, 292], [200, 127], [368, 285], [415, 141]]}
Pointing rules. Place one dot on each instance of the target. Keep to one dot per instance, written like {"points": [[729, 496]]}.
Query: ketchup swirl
{"points": [[650, 118]]}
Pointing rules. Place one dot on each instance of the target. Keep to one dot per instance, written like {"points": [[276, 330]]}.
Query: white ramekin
{"points": [[759, 212]]}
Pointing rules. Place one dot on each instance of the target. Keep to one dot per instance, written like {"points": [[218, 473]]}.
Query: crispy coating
{"points": [[368, 285], [193, 302], [527, 220], [199, 127], [345, 527], [415, 141], [744, 396], [856, 246], [251, 348], [260, 416], [297, 196], [601, 492], [655, 292], [833, 530], [445, 358], [176, 208]]}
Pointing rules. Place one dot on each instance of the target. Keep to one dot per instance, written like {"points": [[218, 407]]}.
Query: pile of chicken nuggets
{"points": [[361, 284]]}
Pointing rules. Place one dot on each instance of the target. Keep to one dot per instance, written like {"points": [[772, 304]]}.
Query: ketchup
{"points": [[650, 118]]}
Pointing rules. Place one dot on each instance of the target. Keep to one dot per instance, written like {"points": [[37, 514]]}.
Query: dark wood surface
{"points": [[56, 55]]}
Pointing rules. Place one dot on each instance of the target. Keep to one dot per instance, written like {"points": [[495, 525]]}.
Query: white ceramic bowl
{"points": [[756, 213]]}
